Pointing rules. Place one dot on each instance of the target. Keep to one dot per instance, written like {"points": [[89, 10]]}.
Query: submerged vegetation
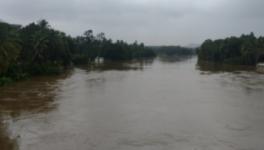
{"points": [[37, 49], [243, 50]]}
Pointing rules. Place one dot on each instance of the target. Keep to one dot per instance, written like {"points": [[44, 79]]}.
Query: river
{"points": [[161, 104]]}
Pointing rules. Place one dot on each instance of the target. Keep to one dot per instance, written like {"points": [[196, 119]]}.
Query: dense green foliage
{"points": [[88, 47], [243, 50], [173, 50], [38, 49], [9, 45]]}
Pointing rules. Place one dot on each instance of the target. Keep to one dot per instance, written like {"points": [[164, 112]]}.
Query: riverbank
{"points": [[243, 50], [38, 49]]}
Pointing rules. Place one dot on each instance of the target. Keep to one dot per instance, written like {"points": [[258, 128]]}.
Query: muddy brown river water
{"points": [[156, 104]]}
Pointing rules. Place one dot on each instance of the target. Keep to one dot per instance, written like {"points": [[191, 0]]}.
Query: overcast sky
{"points": [[154, 22]]}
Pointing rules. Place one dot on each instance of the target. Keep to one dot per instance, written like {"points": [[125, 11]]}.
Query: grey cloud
{"points": [[151, 21]]}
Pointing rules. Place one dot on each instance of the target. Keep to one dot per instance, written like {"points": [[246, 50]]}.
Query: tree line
{"points": [[173, 50], [37, 49], [243, 50]]}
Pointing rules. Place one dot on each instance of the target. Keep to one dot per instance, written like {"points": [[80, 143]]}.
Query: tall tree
{"points": [[9, 45]]}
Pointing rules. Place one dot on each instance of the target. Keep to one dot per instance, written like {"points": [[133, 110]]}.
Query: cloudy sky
{"points": [[154, 22]]}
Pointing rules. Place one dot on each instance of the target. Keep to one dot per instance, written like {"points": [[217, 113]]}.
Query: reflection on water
{"points": [[33, 96], [119, 65], [218, 68], [138, 105], [244, 77]]}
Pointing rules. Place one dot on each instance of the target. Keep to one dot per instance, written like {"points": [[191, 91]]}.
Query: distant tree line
{"points": [[243, 50], [37, 49], [173, 50]]}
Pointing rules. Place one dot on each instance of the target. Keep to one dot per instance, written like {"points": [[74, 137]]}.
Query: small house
{"points": [[260, 67]]}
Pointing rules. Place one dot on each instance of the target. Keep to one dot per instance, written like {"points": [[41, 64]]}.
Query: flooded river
{"points": [[157, 104]]}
